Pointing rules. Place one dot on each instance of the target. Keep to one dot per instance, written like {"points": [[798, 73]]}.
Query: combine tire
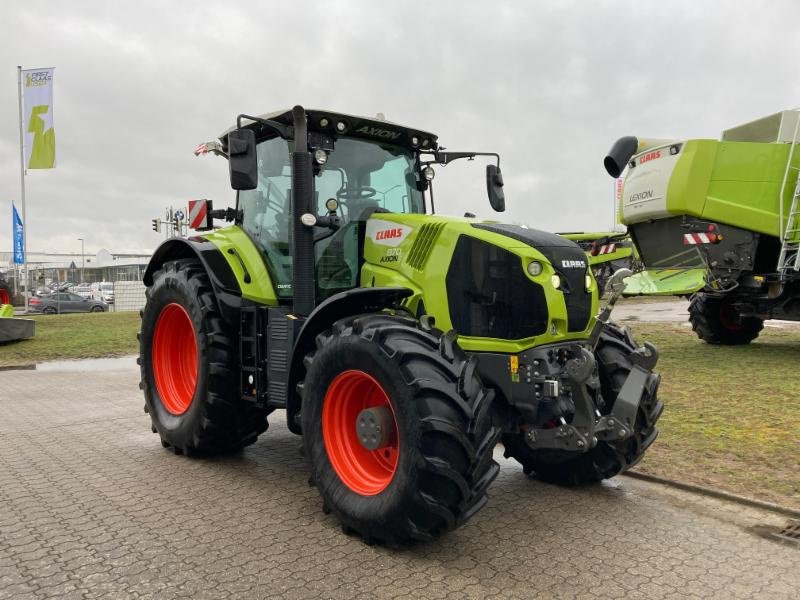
{"points": [[188, 360], [606, 459], [716, 321], [396, 426]]}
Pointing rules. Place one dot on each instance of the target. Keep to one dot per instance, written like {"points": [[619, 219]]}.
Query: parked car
{"points": [[103, 290], [65, 302], [83, 290]]}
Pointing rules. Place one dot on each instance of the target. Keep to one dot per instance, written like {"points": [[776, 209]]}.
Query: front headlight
{"points": [[556, 280], [534, 268], [588, 282]]}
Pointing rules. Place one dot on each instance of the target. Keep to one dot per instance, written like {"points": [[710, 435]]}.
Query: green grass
{"points": [[63, 337], [732, 417]]}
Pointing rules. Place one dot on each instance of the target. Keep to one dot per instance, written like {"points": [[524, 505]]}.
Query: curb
{"points": [[714, 493]]}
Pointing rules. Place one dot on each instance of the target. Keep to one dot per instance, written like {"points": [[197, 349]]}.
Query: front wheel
{"points": [[607, 458], [717, 321], [396, 425]]}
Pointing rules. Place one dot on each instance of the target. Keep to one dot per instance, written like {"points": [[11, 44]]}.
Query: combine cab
{"points": [[403, 345], [718, 219]]}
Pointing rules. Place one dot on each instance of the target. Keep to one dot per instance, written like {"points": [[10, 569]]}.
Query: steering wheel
{"points": [[359, 192]]}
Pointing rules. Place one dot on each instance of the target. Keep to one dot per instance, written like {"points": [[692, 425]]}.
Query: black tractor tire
{"points": [[606, 459], [716, 321], [444, 433], [185, 338]]}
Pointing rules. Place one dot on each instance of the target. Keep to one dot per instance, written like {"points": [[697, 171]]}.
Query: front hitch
{"points": [[588, 426]]}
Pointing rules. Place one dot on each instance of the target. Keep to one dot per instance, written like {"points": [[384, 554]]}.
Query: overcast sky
{"points": [[549, 85]]}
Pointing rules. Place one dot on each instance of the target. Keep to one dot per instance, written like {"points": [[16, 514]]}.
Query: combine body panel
{"points": [[725, 182], [728, 209]]}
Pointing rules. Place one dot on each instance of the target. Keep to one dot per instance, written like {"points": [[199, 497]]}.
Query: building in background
{"points": [[45, 268]]}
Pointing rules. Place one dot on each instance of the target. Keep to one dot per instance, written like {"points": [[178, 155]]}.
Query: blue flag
{"points": [[19, 233]]}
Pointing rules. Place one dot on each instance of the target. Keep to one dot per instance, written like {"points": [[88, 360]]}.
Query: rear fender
{"points": [[346, 304]]}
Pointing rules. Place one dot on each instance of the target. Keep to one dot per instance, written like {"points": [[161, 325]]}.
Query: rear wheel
{"points": [[716, 321], [188, 357], [606, 459], [49, 310], [97, 309], [396, 426]]}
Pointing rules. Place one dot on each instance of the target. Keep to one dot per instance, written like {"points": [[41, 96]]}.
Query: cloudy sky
{"points": [[549, 85]]}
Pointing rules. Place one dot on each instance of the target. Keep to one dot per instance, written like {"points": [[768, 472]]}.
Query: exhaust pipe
{"points": [[624, 149], [302, 236]]}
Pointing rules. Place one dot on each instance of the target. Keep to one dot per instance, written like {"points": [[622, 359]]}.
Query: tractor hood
{"points": [[482, 278]]}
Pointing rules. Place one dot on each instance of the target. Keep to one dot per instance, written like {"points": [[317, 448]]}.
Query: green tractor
{"points": [[608, 251], [718, 220], [402, 344]]}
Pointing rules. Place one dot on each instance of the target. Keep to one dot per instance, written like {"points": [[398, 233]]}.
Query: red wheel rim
{"points": [[5, 298], [366, 472], [175, 358]]}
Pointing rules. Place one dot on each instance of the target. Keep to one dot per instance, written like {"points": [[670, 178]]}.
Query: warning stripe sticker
{"points": [[198, 211], [690, 239]]}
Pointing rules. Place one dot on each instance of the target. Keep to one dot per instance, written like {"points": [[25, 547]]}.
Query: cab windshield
{"points": [[364, 177]]}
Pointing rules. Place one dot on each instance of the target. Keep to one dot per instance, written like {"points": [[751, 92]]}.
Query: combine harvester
{"points": [[402, 344], [718, 220]]}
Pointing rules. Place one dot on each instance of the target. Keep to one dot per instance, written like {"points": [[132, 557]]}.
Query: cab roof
{"points": [[326, 121]]}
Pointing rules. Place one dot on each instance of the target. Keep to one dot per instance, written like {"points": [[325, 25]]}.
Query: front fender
{"points": [[339, 306], [226, 288]]}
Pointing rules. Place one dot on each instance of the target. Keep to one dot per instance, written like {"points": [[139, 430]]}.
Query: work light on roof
{"points": [[429, 173], [341, 126]]}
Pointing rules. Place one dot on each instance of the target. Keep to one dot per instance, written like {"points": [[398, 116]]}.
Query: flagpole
{"points": [[22, 189]]}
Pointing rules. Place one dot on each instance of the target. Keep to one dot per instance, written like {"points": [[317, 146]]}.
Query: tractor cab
{"points": [[360, 167]]}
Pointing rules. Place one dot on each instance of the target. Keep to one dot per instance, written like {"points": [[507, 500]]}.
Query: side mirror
{"points": [[242, 159], [494, 187]]}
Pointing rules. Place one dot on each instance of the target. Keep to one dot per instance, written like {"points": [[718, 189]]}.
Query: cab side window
{"points": [[266, 211]]}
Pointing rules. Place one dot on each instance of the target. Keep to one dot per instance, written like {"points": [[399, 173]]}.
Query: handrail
{"points": [[781, 227]]}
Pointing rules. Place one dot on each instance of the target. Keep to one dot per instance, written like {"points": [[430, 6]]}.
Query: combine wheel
{"points": [[606, 459], [716, 321], [396, 425], [188, 357]]}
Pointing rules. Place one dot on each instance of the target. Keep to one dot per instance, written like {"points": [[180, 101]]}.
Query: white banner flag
{"points": [[37, 102]]}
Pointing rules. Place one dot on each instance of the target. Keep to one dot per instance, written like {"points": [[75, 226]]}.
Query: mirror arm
{"points": [[285, 131], [443, 158]]}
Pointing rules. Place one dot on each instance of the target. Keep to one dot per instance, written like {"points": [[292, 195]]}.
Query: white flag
{"points": [[37, 112]]}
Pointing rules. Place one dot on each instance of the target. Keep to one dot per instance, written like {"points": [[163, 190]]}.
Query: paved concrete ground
{"points": [[91, 505]]}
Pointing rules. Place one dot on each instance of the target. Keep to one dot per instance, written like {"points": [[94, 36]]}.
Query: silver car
{"points": [[65, 302]]}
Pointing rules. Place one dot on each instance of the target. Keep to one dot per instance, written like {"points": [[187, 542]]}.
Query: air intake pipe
{"points": [[624, 149]]}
